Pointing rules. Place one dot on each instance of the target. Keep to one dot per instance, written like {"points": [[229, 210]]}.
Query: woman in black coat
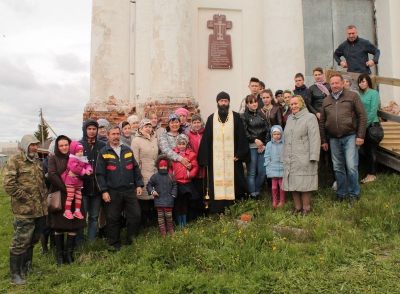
{"points": [[60, 224]]}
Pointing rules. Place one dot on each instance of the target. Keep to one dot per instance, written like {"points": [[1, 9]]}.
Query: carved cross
{"points": [[219, 24]]}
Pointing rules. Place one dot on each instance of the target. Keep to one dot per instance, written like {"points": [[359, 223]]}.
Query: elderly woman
{"points": [[300, 155], [60, 224], [145, 150], [371, 100]]}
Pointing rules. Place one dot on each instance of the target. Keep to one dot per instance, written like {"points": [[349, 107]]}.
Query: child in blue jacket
{"points": [[274, 164]]}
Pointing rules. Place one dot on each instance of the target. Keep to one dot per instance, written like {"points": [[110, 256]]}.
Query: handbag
{"points": [[375, 132], [54, 202]]}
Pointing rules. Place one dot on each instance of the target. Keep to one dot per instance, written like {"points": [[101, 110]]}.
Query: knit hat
{"points": [[182, 111], [182, 138], [133, 118], [278, 92], [103, 123], [223, 95], [346, 77], [163, 162], [173, 116], [144, 122], [75, 147]]}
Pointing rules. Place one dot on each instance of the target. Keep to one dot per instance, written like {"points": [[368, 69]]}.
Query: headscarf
{"points": [[346, 77], [182, 138], [196, 117], [121, 128], [321, 86], [182, 111], [131, 119], [145, 122], [174, 116]]}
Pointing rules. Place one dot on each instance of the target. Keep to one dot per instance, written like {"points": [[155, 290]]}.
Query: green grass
{"points": [[340, 249]]}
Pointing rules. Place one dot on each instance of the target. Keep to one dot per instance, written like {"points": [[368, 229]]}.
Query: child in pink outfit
{"points": [[78, 166]]}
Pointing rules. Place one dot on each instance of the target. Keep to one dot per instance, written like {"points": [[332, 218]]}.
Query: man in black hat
{"points": [[223, 150]]}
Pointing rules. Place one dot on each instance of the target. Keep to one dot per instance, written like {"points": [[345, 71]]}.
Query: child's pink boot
{"points": [[68, 214], [78, 214]]}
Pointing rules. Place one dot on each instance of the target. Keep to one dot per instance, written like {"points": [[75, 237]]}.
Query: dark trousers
{"points": [[370, 152], [26, 234], [122, 201]]}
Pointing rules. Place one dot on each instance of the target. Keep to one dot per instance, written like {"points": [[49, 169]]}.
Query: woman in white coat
{"points": [[300, 155]]}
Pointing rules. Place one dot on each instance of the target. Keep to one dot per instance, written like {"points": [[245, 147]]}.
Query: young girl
{"points": [[273, 164], [184, 176], [162, 185], [79, 166]]}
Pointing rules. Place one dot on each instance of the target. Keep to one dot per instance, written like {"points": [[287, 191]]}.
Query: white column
{"points": [[283, 42], [110, 50], [388, 24]]}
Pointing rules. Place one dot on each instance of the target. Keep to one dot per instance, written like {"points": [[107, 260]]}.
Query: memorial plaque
{"points": [[219, 43]]}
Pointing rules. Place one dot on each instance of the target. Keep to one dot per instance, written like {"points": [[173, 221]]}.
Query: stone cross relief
{"points": [[219, 24]]}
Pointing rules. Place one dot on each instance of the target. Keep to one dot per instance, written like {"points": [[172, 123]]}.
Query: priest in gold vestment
{"points": [[223, 149]]}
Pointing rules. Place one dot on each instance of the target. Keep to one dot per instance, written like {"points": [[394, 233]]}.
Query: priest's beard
{"points": [[223, 110]]}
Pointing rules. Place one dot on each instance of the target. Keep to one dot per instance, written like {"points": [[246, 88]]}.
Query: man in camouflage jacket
{"points": [[23, 180]]}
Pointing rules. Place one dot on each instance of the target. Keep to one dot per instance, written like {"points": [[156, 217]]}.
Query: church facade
{"points": [[163, 55]]}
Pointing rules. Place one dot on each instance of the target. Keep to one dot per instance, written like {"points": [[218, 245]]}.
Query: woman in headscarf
{"points": [[125, 129], [300, 155], [61, 225], [157, 128], [318, 91], [145, 150]]}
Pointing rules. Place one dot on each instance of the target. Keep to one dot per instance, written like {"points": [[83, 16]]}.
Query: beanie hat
{"points": [[75, 147], [133, 118], [278, 92], [182, 111], [103, 123], [174, 116], [223, 95], [346, 77], [163, 162], [182, 138]]}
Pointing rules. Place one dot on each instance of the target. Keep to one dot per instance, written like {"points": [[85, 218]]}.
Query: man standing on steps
{"points": [[355, 50], [23, 180]]}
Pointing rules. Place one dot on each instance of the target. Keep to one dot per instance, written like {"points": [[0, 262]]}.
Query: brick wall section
{"points": [[163, 110]]}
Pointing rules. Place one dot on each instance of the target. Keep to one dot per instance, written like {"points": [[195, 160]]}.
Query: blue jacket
{"points": [[273, 156], [166, 187]]}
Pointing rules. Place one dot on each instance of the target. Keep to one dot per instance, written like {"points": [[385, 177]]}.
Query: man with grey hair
{"points": [[119, 181], [355, 50], [23, 180]]}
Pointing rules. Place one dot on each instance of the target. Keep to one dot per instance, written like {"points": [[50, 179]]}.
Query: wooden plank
{"points": [[389, 116], [330, 72], [388, 81], [388, 159]]}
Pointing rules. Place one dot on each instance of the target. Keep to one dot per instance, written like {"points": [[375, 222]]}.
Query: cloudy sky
{"points": [[44, 63]]}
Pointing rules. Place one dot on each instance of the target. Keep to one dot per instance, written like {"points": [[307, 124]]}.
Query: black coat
{"points": [[241, 151], [256, 126], [90, 188], [57, 165], [166, 188], [317, 97]]}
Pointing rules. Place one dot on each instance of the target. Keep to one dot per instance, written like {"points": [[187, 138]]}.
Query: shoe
{"points": [[368, 179], [334, 186], [78, 214], [68, 215], [296, 211], [353, 199], [304, 212], [339, 198]]}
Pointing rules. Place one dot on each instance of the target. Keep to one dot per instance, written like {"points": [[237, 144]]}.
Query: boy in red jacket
{"points": [[183, 177]]}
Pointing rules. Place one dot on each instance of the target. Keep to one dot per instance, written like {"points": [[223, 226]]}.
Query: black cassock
{"points": [[241, 151]]}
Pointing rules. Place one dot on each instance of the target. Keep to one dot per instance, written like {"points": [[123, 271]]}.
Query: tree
{"points": [[38, 133]]}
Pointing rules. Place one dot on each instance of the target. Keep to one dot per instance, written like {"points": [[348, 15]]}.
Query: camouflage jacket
{"points": [[23, 180]]}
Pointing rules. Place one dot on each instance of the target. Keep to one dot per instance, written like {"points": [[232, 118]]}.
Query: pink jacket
{"points": [[78, 166], [180, 172], [194, 142]]}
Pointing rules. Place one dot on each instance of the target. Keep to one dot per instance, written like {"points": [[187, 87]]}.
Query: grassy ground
{"points": [[336, 249]]}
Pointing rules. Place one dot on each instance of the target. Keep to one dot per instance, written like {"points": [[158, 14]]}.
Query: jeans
{"points": [[92, 205], [345, 165], [255, 171]]}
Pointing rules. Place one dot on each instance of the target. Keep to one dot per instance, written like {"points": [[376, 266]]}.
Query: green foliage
{"points": [[336, 249], [38, 133]]}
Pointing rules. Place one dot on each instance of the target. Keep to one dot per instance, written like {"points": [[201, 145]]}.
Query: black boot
{"points": [[26, 263], [60, 249], [44, 240], [69, 252], [52, 242], [15, 268], [102, 232]]}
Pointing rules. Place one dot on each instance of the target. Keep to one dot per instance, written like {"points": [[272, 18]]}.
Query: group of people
{"points": [[136, 168]]}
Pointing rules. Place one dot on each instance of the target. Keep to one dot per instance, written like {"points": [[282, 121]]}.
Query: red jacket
{"points": [[195, 139], [180, 172]]}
